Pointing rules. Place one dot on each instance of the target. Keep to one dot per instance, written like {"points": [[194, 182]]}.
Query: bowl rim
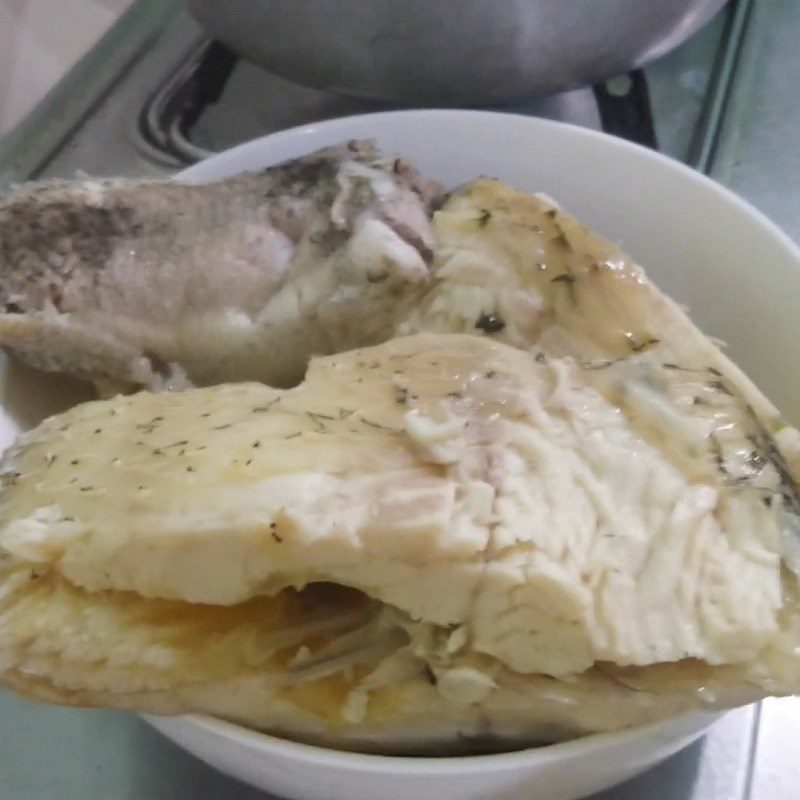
{"points": [[687, 725], [195, 172]]}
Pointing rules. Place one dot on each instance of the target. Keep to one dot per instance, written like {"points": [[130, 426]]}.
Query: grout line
{"points": [[752, 752], [703, 147]]}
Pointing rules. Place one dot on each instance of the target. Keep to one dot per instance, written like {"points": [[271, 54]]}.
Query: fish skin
{"points": [[160, 284]]}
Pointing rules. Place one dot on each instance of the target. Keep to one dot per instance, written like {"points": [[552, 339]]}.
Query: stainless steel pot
{"points": [[451, 51]]}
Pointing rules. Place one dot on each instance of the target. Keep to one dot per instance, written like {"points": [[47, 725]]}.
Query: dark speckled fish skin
{"points": [[96, 274]]}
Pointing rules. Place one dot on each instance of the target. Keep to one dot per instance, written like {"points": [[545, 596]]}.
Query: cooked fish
{"points": [[516, 268], [521, 558], [155, 283]]}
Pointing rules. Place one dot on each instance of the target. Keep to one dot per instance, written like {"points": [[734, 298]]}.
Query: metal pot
{"points": [[451, 51]]}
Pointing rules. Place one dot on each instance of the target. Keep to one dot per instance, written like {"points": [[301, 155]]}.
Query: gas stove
{"points": [[181, 97], [156, 95]]}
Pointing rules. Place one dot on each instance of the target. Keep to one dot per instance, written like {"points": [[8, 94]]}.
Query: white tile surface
{"points": [[715, 768], [39, 41], [776, 773]]}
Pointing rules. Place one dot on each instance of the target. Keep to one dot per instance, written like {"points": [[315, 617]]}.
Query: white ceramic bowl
{"points": [[703, 245], [558, 772]]}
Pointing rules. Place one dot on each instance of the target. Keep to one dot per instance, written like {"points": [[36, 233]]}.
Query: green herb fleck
{"points": [[490, 323]]}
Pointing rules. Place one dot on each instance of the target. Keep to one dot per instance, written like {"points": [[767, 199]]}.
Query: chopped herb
{"points": [[540, 358], [264, 409], [490, 374], [490, 323], [484, 215], [600, 363], [278, 539], [317, 419], [377, 425], [456, 395], [717, 455], [248, 462], [190, 468], [10, 478], [561, 241], [293, 435], [565, 277], [429, 674], [401, 395], [256, 444], [86, 488], [206, 414], [639, 346], [720, 387], [222, 427]]}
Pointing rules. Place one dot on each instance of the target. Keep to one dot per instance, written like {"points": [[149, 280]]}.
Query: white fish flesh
{"points": [[548, 506]]}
